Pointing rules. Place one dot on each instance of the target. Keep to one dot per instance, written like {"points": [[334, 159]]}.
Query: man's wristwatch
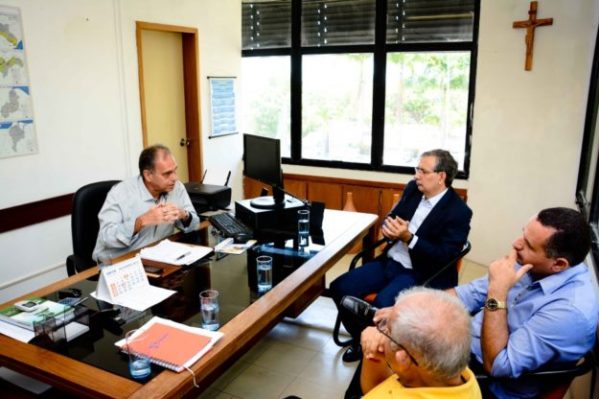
{"points": [[493, 304]]}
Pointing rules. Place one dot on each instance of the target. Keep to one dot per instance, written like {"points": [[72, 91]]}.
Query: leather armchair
{"points": [[87, 202]]}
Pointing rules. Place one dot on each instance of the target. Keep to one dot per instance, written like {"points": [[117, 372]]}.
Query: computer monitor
{"points": [[262, 162]]}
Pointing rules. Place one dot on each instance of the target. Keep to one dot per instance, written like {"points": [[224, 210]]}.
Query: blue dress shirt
{"points": [[551, 321], [124, 203]]}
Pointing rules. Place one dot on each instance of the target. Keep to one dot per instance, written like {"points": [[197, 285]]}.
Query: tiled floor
{"points": [[298, 357]]}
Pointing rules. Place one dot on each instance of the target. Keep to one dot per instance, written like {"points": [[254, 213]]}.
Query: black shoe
{"points": [[352, 354]]}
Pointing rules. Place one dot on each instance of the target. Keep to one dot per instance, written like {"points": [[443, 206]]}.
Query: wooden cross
{"points": [[530, 24]]}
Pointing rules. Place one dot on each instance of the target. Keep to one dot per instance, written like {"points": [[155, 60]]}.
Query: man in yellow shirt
{"points": [[420, 348]]}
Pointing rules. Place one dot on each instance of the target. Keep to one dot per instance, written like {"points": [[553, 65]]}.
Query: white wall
{"points": [[82, 61], [83, 65]]}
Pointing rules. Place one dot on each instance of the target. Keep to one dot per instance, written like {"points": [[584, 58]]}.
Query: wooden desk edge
{"points": [[261, 315]]}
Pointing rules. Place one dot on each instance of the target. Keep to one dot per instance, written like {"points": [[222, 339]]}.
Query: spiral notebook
{"points": [[171, 345]]}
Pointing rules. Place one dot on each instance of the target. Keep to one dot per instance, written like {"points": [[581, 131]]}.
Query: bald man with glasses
{"points": [[420, 348], [428, 228]]}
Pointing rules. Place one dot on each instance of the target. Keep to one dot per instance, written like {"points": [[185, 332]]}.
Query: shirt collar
{"points": [[143, 190], [433, 200], [554, 281]]}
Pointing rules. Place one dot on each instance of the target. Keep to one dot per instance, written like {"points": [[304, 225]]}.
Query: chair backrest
{"points": [[87, 202], [455, 262]]}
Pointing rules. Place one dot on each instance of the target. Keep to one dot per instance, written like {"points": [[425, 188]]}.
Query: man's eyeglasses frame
{"points": [[382, 327]]}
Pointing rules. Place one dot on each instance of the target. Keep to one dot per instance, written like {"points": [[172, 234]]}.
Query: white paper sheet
{"points": [[175, 253], [16, 332]]}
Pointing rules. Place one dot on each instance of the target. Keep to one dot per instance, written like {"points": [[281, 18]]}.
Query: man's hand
{"points": [[373, 344], [396, 228], [160, 214], [372, 341], [503, 275], [383, 313], [495, 333]]}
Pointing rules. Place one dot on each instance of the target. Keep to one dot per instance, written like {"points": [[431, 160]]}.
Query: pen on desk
{"points": [[183, 255], [79, 302]]}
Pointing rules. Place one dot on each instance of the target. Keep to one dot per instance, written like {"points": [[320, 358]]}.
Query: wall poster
{"points": [[222, 106], [17, 130]]}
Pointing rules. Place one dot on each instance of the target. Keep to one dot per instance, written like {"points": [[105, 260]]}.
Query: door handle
{"points": [[184, 143]]}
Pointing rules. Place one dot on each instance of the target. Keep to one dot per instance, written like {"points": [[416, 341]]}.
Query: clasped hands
{"points": [[396, 228], [163, 213]]}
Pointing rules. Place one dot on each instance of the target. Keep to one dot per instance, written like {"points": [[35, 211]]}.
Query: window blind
{"points": [[267, 24], [410, 21], [338, 22]]}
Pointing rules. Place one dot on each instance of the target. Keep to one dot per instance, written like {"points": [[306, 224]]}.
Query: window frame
{"points": [[379, 49], [588, 203]]}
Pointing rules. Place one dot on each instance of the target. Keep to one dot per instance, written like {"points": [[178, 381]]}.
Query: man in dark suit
{"points": [[429, 226]]}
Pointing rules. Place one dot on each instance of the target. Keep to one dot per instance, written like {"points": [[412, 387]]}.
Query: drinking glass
{"points": [[210, 309], [139, 364], [303, 228], [264, 267]]}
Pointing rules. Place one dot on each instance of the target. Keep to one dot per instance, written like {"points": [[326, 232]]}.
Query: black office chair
{"points": [[555, 382], [370, 297], [87, 202]]}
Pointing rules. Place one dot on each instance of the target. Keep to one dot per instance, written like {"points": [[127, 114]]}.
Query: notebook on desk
{"points": [[169, 344]]}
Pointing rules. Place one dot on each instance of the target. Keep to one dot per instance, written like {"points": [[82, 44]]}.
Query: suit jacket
{"points": [[441, 236]]}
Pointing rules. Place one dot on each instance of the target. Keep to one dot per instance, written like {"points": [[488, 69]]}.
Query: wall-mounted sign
{"points": [[222, 106]]}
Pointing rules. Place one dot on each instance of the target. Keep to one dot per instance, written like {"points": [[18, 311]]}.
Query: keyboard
{"points": [[229, 225]]}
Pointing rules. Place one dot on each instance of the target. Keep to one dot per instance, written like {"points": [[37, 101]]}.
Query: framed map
{"points": [[17, 130], [222, 106]]}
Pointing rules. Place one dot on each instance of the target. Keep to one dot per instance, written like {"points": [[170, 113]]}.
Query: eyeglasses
{"points": [[383, 328], [418, 170]]}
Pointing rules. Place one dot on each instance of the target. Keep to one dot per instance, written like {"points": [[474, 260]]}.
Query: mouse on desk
{"points": [[241, 238]]}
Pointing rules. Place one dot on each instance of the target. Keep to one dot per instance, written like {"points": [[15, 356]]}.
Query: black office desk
{"points": [[243, 322]]}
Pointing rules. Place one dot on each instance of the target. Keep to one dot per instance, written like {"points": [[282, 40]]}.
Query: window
{"points": [[336, 115], [426, 102], [365, 84], [587, 191], [265, 98]]}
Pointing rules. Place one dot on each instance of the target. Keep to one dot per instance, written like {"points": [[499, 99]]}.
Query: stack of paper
{"points": [[228, 246], [20, 325], [175, 253], [46, 310]]}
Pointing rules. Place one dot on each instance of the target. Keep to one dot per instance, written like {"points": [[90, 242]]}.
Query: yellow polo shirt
{"points": [[391, 388]]}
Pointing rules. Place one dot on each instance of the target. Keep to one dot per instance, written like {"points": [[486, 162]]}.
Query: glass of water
{"points": [[210, 309], [264, 267], [303, 228], [139, 364]]}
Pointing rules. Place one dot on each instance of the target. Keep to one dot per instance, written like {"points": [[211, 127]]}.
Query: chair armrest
{"points": [[365, 251], [581, 367]]}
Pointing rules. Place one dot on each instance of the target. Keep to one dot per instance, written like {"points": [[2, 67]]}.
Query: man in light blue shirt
{"points": [[145, 208], [537, 307]]}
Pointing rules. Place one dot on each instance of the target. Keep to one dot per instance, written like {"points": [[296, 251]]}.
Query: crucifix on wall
{"points": [[531, 24]]}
